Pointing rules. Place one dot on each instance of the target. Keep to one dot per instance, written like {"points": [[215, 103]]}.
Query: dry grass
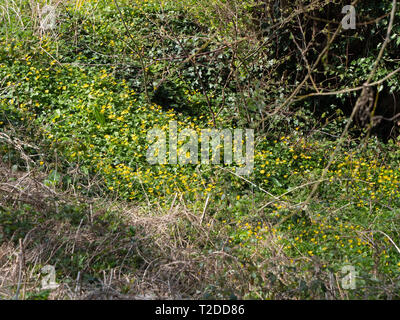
{"points": [[166, 259], [109, 249]]}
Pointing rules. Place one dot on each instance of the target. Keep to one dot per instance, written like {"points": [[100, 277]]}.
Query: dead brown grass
{"points": [[175, 253], [169, 246]]}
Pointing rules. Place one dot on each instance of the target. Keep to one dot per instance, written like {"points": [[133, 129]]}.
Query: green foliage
{"points": [[106, 79]]}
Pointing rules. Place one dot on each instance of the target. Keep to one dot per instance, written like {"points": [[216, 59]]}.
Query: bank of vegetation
{"points": [[80, 92]]}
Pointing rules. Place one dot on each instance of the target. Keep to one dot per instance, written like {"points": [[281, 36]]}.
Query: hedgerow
{"points": [[93, 97]]}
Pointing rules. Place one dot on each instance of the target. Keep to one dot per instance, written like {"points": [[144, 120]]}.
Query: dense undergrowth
{"points": [[77, 103]]}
